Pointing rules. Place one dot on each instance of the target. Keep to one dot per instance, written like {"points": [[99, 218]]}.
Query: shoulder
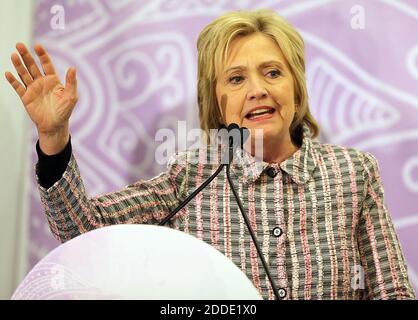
{"points": [[185, 158], [351, 158], [189, 162], [185, 166]]}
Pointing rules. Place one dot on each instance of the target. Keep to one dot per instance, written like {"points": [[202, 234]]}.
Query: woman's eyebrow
{"points": [[272, 62], [262, 65]]}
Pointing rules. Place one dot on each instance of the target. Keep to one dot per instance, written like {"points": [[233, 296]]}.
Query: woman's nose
{"points": [[256, 91]]}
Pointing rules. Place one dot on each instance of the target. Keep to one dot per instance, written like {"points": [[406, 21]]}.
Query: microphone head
{"points": [[233, 126], [237, 135]]}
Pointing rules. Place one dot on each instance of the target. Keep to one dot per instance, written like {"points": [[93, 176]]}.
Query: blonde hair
{"points": [[212, 47]]}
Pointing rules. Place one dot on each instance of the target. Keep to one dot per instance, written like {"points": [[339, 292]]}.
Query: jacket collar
{"points": [[299, 167]]}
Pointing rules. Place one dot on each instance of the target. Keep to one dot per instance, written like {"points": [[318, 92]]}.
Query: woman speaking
{"points": [[317, 210]]}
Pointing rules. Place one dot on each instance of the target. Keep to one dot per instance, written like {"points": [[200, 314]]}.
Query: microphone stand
{"points": [[232, 147]]}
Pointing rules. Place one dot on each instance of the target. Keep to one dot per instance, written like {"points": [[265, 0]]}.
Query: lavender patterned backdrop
{"points": [[136, 64]]}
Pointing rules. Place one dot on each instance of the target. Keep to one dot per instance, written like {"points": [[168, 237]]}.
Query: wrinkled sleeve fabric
{"points": [[385, 270], [70, 212]]}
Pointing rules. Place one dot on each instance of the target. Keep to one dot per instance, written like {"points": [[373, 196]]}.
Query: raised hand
{"points": [[48, 103]]}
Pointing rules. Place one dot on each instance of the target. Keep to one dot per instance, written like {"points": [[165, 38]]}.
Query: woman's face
{"points": [[255, 88]]}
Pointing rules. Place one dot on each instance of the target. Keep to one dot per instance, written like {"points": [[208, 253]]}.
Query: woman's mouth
{"points": [[260, 114]]}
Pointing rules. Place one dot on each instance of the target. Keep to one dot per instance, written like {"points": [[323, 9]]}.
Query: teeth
{"points": [[257, 116], [259, 112]]}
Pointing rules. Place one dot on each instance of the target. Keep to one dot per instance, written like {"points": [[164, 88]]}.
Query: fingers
{"points": [[19, 88], [45, 60], [71, 83], [28, 60], [21, 70]]}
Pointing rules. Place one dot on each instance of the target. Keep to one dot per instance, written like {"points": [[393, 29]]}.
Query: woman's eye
{"points": [[236, 79], [274, 73]]}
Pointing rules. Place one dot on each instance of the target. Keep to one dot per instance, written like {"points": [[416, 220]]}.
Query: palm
{"points": [[46, 103]]}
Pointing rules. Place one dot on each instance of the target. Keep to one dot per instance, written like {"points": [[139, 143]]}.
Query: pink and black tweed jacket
{"points": [[319, 216]]}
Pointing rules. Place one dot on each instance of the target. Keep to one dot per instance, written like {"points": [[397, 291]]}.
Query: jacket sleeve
{"points": [[70, 211], [385, 270]]}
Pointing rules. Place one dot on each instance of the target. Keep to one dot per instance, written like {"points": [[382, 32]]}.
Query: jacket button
{"points": [[277, 232], [271, 172], [282, 293]]}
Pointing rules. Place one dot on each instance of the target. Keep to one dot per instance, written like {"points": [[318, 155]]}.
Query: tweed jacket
{"points": [[319, 217]]}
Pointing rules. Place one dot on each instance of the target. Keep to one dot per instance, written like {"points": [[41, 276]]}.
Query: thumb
{"points": [[71, 82]]}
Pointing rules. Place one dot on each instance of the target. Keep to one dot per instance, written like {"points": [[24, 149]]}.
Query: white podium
{"points": [[136, 262]]}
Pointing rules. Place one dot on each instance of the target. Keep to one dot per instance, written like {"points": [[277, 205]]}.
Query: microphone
{"points": [[236, 137]]}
